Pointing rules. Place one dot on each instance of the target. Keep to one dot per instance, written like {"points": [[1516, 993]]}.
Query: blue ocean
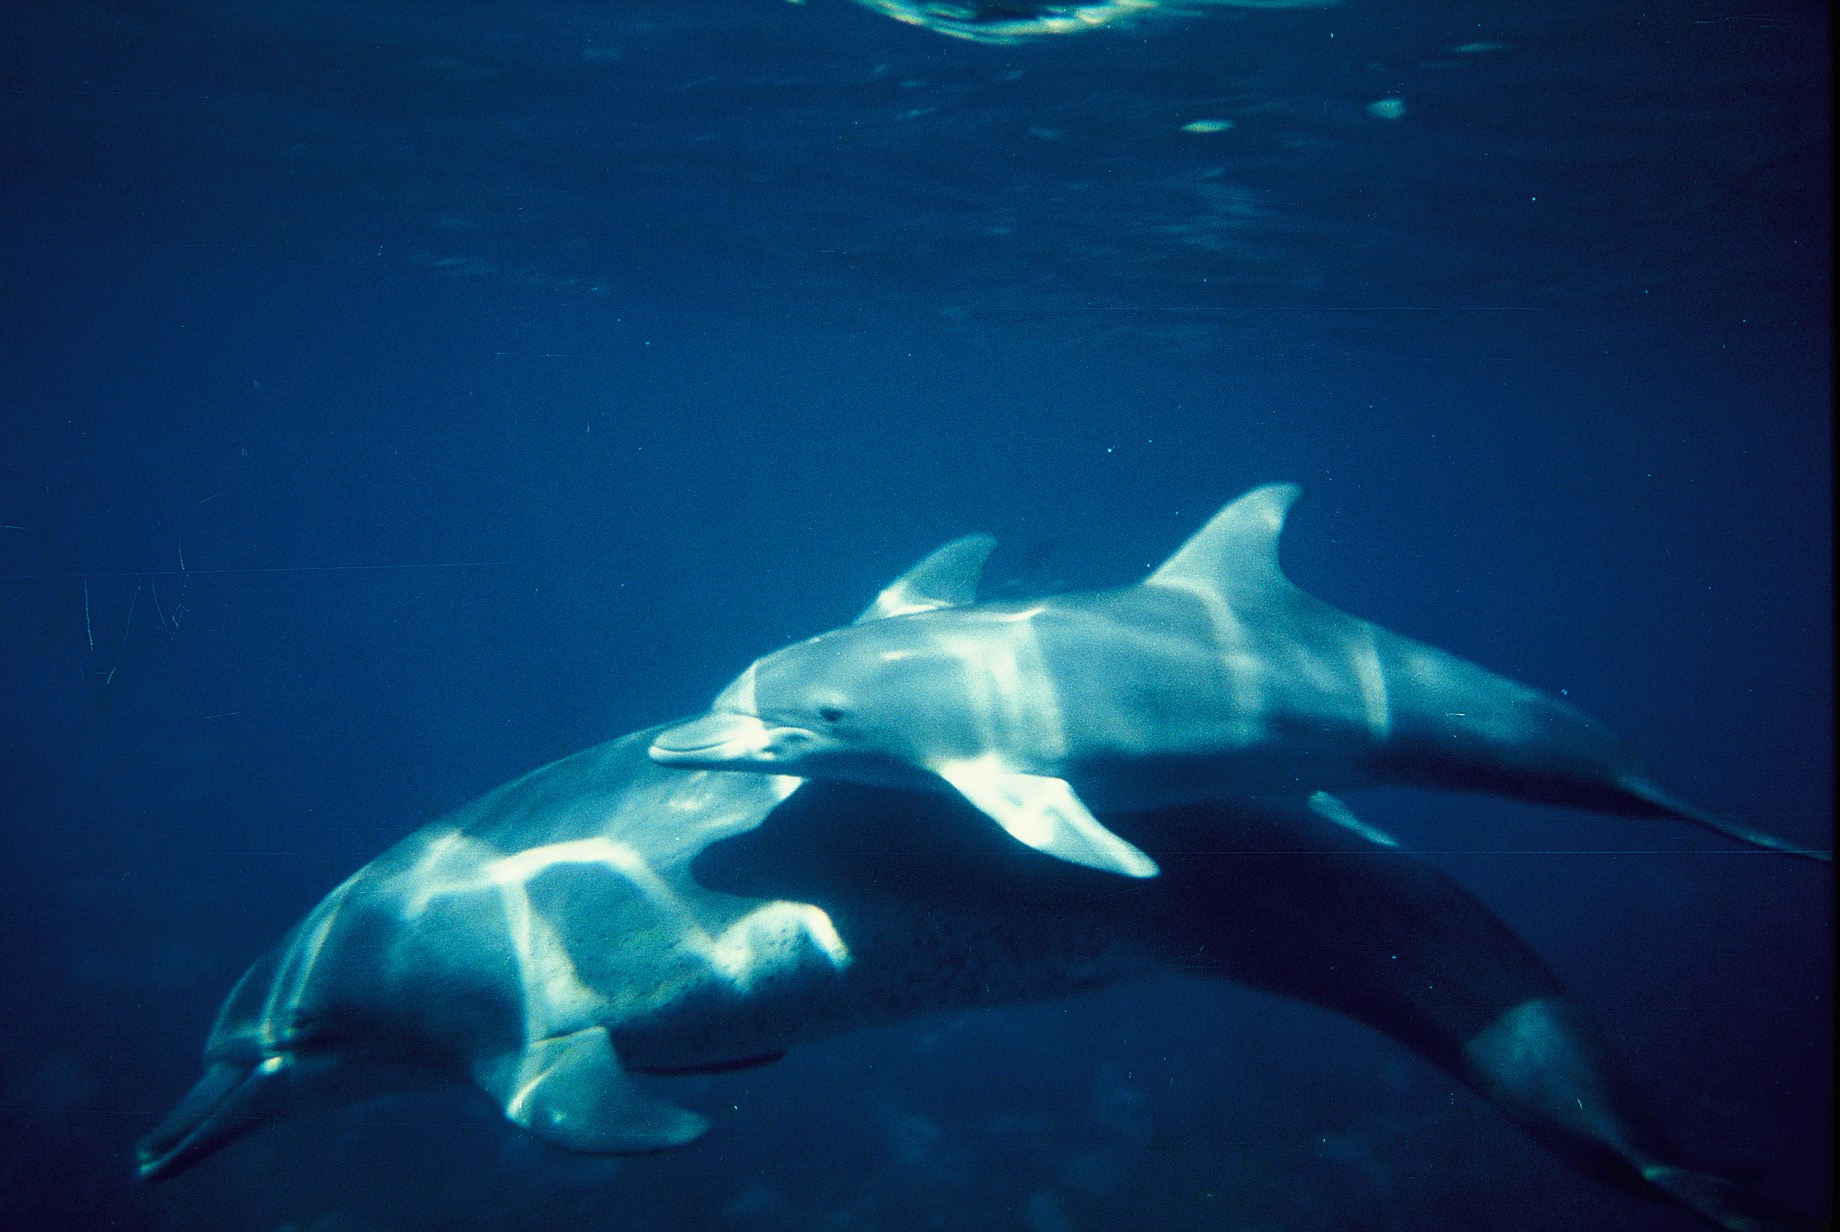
{"points": [[402, 396]]}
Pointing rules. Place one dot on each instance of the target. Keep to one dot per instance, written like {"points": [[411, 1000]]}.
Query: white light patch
{"points": [[1026, 818], [288, 991], [1009, 690], [555, 997], [771, 937], [740, 696], [522, 866], [899, 599], [709, 801], [514, 1107], [990, 784], [557, 1000], [1027, 613], [538, 1060], [820, 929], [447, 865], [1374, 700], [1246, 701]]}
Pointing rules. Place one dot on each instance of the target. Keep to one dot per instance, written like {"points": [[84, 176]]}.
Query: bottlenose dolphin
{"points": [[604, 917], [1214, 678]]}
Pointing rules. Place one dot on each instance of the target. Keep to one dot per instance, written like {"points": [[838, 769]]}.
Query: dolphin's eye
{"points": [[830, 714]]}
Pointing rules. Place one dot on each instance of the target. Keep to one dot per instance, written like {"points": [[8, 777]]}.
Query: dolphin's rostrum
{"points": [[1213, 679]]}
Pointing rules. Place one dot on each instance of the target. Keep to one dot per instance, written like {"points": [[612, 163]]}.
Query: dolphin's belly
{"points": [[906, 959], [1131, 784]]}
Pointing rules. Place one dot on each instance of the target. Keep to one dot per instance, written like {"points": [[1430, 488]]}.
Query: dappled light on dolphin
{"points": [[1215, 678], [573, 937]]}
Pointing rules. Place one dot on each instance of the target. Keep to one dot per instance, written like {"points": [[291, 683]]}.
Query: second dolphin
{"points": [[1214, 678]]}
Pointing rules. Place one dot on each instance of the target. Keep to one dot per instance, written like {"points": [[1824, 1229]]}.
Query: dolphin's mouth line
{"points": [[726, 737], [685, 749], [665, 743], [211, 1112]]}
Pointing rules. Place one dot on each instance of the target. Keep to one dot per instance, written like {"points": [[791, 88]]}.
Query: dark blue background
{"points": [[509, 375]]}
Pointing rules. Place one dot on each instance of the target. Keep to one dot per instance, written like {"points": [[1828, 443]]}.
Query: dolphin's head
{"points": [[241, 1092], [872, 703], [293, 1035], [235, 1096], [252, 1057]]}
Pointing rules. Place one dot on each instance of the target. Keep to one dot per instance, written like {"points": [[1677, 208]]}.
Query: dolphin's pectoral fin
{"points": [[947, 578], [571, 1091], [1726, 1203], [1546, 1064], [1331, 808], [1043, 813]]}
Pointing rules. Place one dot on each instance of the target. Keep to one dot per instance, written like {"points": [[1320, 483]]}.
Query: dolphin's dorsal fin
{"points": [[947, 578], [1236, 553], [571, 1091], [1043, 813]]}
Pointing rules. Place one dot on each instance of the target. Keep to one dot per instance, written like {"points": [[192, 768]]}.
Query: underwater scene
{"points": [[916, 614]]}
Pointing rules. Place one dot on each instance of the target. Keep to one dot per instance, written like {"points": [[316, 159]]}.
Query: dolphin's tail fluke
{"points": [[1725, 1203], [1548, 1065], [1667, 804]]}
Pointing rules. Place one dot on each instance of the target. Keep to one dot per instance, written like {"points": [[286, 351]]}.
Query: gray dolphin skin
{"points": [[604, 917], [1214, 678]]}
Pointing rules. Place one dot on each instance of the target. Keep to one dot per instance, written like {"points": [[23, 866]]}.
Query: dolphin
{"points": [[604, 919], [1214, 678]]}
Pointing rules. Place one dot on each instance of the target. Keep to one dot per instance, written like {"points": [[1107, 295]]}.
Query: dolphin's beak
{"points": [[224, 1105], [716, 740]]}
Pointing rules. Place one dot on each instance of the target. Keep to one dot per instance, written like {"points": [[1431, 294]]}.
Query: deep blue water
{"points": [[398, 396]]}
